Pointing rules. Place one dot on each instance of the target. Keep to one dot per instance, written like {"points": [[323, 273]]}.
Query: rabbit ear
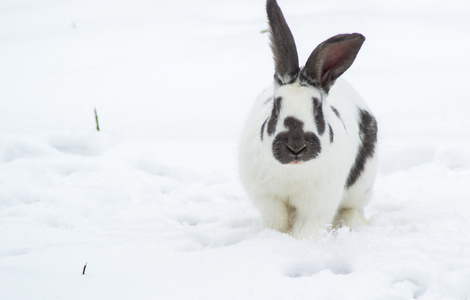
{"points": [[332, 58], [282, 44]]}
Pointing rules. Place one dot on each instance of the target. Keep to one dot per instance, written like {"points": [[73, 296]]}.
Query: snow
{"points": [[153, 204]]}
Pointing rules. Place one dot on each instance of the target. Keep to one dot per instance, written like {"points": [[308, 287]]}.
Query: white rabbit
{"points": [[307, 153]]}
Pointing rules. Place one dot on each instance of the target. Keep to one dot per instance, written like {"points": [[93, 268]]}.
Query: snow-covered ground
{"points": [[153, 203]]}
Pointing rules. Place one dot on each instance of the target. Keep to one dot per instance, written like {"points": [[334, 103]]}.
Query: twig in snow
{"points": [[96, 119], [84, 269]]}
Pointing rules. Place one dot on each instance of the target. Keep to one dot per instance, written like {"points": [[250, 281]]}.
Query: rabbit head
{"points": [[296, 127]]}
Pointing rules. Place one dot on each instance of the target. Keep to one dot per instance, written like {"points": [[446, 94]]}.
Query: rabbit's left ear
{"points": [[332, 58], [282, 44]]}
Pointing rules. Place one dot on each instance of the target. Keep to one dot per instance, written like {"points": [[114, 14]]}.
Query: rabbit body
{"points": [[303, 198], [307, 154]]}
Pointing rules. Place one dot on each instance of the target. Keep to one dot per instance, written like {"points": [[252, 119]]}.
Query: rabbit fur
{"points": [[307, 153]]}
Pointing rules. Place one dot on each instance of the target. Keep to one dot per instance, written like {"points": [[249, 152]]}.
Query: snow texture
{"points": [[153, 203]]}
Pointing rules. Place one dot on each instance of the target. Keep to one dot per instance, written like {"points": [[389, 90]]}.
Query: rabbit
{"points": [[307, 155]]}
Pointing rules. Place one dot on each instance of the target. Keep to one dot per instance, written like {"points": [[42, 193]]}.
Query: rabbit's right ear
{"points": [[282, 44]]}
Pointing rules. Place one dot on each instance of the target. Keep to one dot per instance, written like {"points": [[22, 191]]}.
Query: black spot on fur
{"points": [[368, 135], [262, 129], [332, 135], [274, 115], [306, 81], [335, 111], [318, 114], [295, 144], [338, 115], [293, 123]]}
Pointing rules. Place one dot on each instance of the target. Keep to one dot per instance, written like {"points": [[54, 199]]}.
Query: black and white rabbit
{"points": [[307, 153]]}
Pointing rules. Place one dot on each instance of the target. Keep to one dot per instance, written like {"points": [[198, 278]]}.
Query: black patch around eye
{"points": [[318, 115], [331, 133], [262, 129], [274, 115], [368, 135]]}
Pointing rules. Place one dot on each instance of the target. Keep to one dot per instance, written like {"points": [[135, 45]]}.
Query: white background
{"points": [[153, 202]]}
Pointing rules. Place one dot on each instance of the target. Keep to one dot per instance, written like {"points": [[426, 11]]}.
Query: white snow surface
{"points": [[152, 203]]}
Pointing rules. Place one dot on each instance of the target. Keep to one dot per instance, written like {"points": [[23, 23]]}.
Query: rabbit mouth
{"points": [[296, 151]]}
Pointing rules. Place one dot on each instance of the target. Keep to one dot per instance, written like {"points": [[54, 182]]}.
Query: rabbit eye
{"points": [[318, 115], [277, 106], [274, 115]]}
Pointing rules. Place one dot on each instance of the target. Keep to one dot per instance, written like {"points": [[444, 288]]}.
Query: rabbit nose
{"points": [[296, 149], [296, 142]]}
